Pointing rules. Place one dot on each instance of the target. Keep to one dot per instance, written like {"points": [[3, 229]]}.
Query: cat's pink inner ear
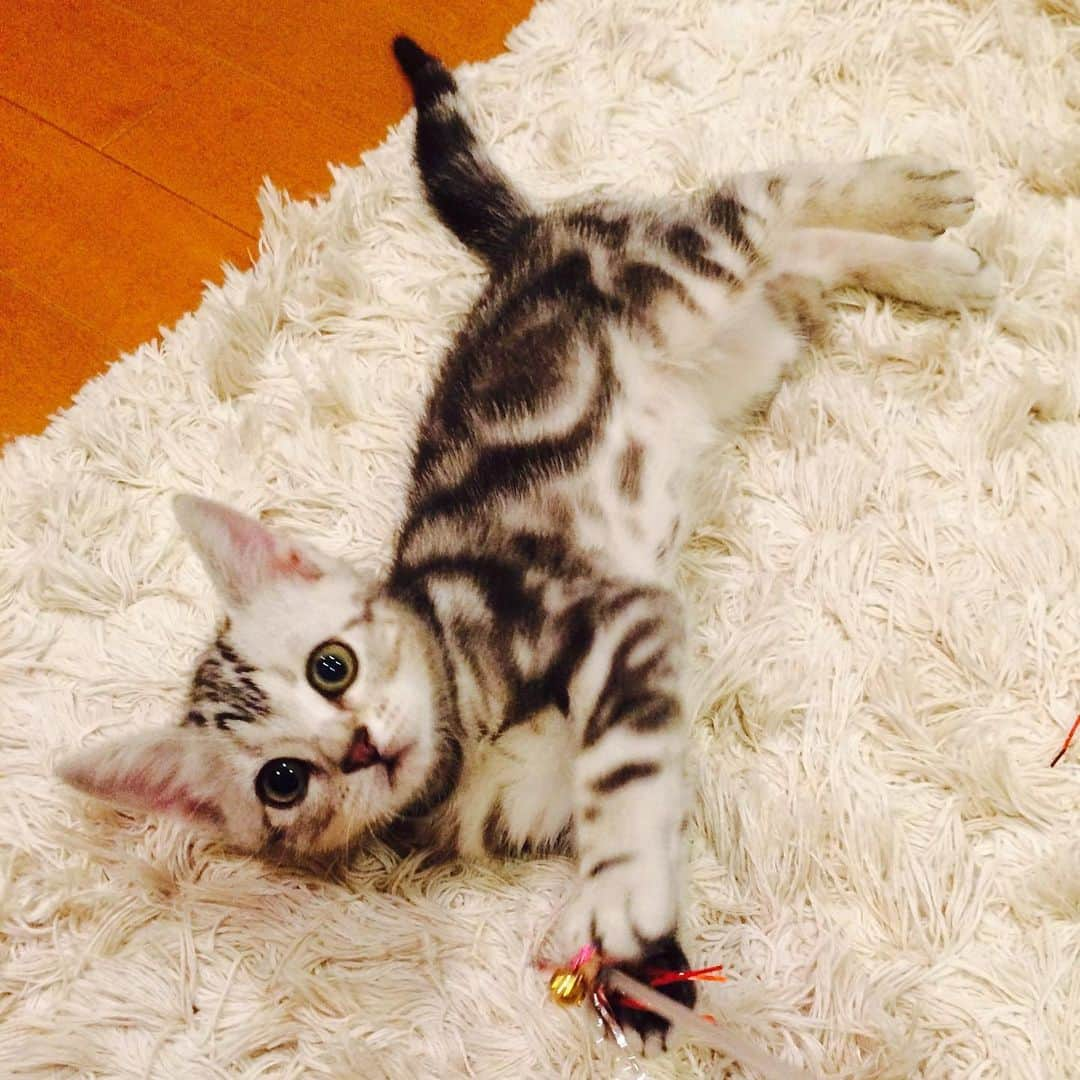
{"points": [[293, 563], [253, 540], [175, 799], [241, 553], [148, 772]]}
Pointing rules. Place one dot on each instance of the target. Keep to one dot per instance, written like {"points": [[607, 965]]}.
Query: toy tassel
{"points": [[587, 977], [1065, 745], [714, 1035], [705, 974], [659, 977]]}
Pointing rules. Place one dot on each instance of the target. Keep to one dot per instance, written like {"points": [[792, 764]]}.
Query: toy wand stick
{"points": [[714, 1035]]}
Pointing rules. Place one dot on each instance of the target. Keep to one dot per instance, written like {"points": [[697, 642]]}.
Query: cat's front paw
{"points": [[621, 906], [630, 914], [919, 197]]}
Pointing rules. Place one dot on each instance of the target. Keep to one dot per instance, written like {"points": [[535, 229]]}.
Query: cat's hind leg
{"points": [[940, 274], [798, 300], [910, 196]]}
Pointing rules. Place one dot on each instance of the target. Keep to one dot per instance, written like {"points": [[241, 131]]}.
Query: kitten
{"points": [[515, 682]]}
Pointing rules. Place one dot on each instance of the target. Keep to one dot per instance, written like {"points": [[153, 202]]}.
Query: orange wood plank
{"points": [[45, 356], [88, 66], [336, 53], [100, 250], [214, 142], [113, 249]]}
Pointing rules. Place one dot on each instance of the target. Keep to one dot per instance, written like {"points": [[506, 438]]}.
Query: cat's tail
{"points": [[471, 196]]}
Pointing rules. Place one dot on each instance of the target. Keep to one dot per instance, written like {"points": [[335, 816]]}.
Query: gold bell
{"points": [[568, 987]]}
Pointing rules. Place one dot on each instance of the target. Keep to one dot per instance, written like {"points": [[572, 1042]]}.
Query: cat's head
{"points": [[315, 716]]}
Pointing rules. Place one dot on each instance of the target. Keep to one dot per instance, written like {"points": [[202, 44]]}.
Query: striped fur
{"points": [[518, 682]]}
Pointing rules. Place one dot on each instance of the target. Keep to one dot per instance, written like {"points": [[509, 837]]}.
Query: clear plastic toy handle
{"points": [[701, 1031]]}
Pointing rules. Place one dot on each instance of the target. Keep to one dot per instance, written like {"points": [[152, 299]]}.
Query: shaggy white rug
{"points": [[886, 590]]}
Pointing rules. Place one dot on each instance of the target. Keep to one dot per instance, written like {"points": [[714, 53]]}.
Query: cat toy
{"points": [[1068, 741], [587, 978]]}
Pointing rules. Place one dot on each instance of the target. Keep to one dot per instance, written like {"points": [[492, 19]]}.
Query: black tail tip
{"points": [[426, 74], [409, 55]]}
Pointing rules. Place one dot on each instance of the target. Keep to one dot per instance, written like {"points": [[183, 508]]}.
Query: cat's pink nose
{"points": [[361, 753]]}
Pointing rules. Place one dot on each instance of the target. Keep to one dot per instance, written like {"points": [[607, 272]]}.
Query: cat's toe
{"points": [[926, 196], [654, 1044], [964, 279], [621, 906]]}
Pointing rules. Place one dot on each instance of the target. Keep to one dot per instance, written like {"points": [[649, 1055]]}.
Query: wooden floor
{"points": [[133, 138]]}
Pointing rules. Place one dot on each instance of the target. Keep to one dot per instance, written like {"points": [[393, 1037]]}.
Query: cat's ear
{"points": [[164, 771], [241, 554]]}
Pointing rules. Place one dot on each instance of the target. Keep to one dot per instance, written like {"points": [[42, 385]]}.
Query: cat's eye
{"points": [[282, 782], [331, 668]]}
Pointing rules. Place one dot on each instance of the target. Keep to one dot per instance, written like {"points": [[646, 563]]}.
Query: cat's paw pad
{"points": [[920, 196], [646, 1033], [959, 277]]}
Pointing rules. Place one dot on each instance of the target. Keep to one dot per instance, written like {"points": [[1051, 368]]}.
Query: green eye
{"points": [[331, 668]]}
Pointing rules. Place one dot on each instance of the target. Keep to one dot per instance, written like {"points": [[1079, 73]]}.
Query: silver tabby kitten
{"points": [[514, 683]]}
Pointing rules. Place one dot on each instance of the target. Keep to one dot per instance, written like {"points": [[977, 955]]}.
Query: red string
{"points": [[662, 977], [1065, 745], [705, 974], [585, 953]]}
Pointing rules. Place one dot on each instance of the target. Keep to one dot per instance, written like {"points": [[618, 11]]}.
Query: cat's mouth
{"points": [[364, 754], [392, 761]]}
